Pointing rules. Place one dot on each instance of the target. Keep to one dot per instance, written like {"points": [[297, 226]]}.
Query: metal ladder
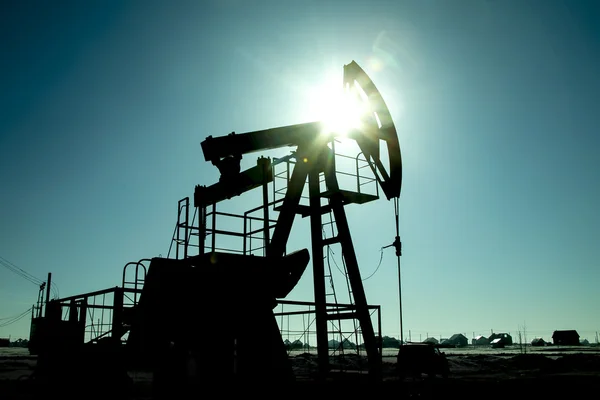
{"points": [[185, 235]]}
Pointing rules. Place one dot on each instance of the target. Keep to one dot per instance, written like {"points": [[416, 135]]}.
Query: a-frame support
{"points": [[312, 160]]}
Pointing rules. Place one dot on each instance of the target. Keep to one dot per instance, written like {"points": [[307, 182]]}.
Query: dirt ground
{"points": [[471, 376]]}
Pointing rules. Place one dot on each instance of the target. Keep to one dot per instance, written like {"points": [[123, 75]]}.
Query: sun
{"points": [[342, 110], [342, 113]]}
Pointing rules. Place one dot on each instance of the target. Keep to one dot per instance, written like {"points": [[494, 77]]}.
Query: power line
{"points": [[19, 271], [12, 320], [54, 288]]}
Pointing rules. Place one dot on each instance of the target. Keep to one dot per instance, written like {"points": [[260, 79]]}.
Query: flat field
{"points": [[481, 373]]}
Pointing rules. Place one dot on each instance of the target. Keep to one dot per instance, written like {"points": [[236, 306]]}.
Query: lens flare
{"points": [[342, 110]]}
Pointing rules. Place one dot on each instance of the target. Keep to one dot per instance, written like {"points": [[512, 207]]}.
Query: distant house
{"points": [[538, 342], [4, 342], [388, 342], [506, 339], [458, 340], [497, 343], [295, 345], [431, 340], [566, 338], [344, 344], [480, 341]]}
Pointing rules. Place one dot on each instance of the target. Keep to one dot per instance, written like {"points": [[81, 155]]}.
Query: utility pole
{"points": [[48, 290], [398, 246]]}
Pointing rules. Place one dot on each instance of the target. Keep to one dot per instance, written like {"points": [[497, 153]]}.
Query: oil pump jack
{"points": [[236, 293], [214, 309]]}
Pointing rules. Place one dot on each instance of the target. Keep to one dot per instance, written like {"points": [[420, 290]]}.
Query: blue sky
{"points": [[496, 103]]}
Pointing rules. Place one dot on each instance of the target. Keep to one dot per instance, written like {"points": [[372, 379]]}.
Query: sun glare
{"points": [[340, 109]]}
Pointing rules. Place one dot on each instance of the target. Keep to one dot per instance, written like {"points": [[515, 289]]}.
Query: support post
{"points": [[349, 254], [117, 317], [266, 171], [318, 272], [83, 318], [48, 291]]}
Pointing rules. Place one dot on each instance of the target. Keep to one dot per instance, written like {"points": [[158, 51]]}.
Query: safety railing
{"points": [[297, 324]]}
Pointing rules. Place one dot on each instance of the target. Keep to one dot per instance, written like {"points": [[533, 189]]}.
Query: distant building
{"points": [[344, 344], [458, 340], [431, 340], [497, 343], [4, 342], [505, 338], [538, 342], [566, 338], [390, 342], [480, 341]]}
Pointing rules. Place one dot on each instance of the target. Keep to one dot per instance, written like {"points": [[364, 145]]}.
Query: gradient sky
{"points": [[497, 106]]}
